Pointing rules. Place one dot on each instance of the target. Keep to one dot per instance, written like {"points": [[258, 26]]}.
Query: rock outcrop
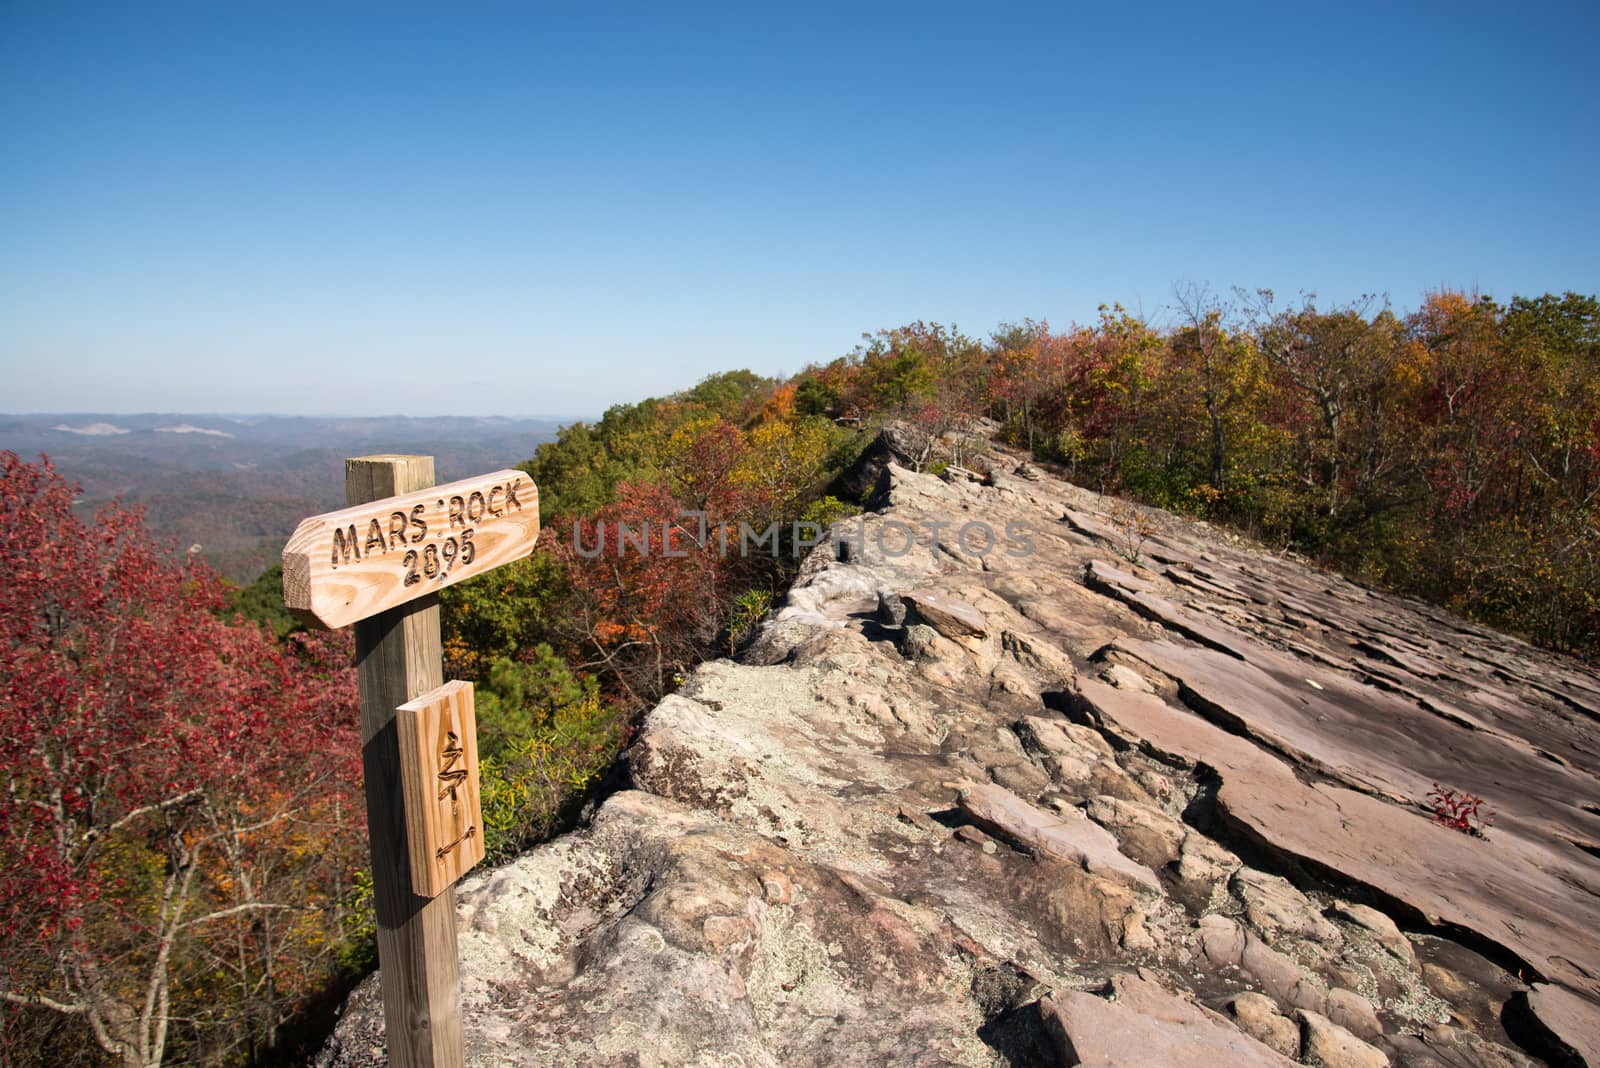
{"points": [[995, 794]]}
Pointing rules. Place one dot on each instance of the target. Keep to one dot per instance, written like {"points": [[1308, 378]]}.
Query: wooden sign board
{"points": [[439, 780], [343, 566]]}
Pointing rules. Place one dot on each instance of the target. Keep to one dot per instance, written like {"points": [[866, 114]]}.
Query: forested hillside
{"points": [[1453, 452], [180, 778]]}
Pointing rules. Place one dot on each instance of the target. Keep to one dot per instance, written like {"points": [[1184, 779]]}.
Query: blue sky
{"points": [[380, 209]]}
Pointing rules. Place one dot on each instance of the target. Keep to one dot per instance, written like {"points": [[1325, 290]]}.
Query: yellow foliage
{"points": [[785, 459]]}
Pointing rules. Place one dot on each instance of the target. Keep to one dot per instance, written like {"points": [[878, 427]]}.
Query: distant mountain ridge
{"points": [[235, 485]]}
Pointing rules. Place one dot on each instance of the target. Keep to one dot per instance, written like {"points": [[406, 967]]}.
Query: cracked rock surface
{"points": [[1081, 800]]}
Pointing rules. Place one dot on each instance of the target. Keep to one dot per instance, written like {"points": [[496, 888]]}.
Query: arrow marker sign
{"points": [[345, 566]]}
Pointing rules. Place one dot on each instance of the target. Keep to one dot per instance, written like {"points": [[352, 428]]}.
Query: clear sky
{"points": [[370, 210]]}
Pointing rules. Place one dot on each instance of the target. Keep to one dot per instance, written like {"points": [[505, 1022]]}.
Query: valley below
{"points": [[232, 488]]}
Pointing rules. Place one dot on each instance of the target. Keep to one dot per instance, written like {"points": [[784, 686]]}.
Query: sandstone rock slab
{"points": [[1327, 1044], [1275, 908], [788, 891], [1383, 929], [1144, 832], [1143, 1024], [950, 616], [1573, 1021], [1258, 1016], [1073, 839], [1534, 911]]}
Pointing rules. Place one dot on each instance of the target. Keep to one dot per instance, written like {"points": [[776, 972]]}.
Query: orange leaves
{"points": [[780, 406], [608, 632]]}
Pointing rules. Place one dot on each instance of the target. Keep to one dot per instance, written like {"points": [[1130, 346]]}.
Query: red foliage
{"points": [[654, 573], [1460, 811], [131, 712], [705, 473], [652, 596]]}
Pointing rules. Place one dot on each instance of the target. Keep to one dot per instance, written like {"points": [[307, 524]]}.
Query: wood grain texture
{"points": [[438, 736], [398, 658], [343, 566]]}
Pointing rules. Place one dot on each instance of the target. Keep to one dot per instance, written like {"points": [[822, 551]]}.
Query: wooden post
{"points": [[398, 658], [377, 564]]}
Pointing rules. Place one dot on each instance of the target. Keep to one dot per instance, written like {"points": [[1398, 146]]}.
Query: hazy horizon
{"points": [[245, 415]]}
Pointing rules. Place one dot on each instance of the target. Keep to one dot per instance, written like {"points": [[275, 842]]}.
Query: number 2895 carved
{"points": [[435, 562]]}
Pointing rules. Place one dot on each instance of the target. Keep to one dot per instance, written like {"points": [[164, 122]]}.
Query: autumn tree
{"points": [[180, 817], [895, 368], [828, 390], [1340, 360], [1464, 385], [784, 463], [505, 612], [1203, 340], [1556, 344], [580, 470], [1099, 377], [647, 586], [1016, 378], [1509, 417]]}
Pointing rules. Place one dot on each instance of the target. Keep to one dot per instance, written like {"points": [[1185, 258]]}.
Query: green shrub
{"points": [[534, 778], [521, 696], [747, 612], [357, 952], [826, 511]]}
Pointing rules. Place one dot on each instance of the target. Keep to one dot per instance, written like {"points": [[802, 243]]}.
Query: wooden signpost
{"points": [[378, 564], [348, 565]]}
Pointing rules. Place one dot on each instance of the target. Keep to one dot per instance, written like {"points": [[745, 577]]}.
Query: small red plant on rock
{"points": [[1460, 810]]}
